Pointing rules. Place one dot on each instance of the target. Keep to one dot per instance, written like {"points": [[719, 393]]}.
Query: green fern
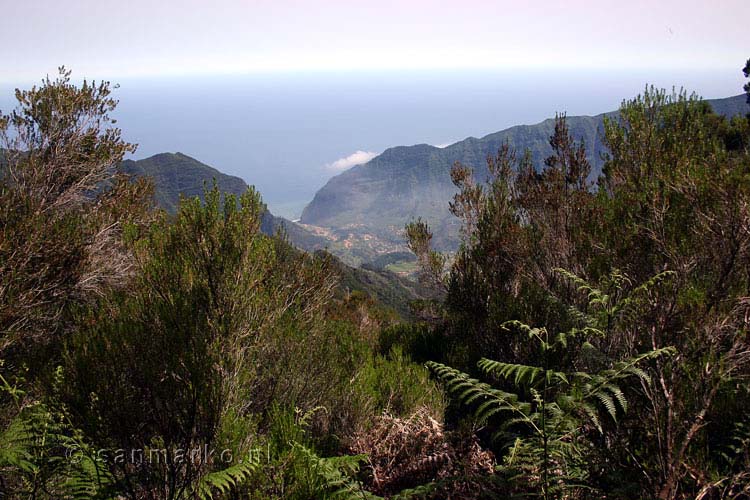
{"points": [[41, 452], [224, 481], [544, 424], [332, 477]]}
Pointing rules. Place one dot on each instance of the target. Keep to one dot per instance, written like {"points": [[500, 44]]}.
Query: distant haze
{"points": [[119, 38], [286, 93], [288, 133]]}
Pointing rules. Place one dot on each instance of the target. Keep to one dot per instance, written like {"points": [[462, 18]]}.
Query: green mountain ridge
{"points": [[406, 182], [176, 174]]}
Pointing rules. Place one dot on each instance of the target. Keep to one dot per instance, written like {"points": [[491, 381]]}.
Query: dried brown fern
{"points": [[407, 452]]}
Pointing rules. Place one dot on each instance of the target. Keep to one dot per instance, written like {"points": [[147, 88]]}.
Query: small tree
{"points": [[678, 199], [431, 263], [63, 212], [63, 209], [158, 368]]}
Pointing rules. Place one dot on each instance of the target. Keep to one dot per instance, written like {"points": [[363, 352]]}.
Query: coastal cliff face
{"points": [[406, 182]]}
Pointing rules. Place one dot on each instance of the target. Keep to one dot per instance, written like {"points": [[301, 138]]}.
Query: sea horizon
{"points": [[288, 133]]}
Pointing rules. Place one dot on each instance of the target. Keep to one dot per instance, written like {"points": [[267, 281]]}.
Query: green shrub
{"points": [[173, 364], [397, 386], [225, 324], [292, 469], [421, 341]]}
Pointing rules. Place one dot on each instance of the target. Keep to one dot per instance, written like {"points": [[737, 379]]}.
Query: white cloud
{"points": [[356, 158], [444, 145]]}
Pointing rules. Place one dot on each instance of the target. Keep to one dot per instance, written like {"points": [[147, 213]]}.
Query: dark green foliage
{"points": [[41, 452], [168, 352], [222, 482], [293, 470], [420, 340]]}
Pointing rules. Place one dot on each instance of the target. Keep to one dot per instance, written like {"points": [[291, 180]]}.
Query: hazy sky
{"points": [[131, 38]]}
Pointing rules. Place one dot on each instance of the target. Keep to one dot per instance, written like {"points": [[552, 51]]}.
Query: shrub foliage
{"points": [[591, 332]]}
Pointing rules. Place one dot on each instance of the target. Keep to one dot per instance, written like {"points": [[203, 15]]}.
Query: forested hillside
{"points": [[175, 174], [590, 338]]}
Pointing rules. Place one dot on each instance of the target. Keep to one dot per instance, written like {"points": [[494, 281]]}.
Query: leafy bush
{"points": [[291, 469], [164, 365], [395, 385], [420, 340], [223, 324]]}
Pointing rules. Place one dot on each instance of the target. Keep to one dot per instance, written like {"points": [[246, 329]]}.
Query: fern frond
{"points": [[522, 374], [34, 446], [16, 442], [593, 415], [580, 283], [89, 479], [517, 325], [334, 474], [493, 401], [618, 395], [225, 480], [608, 403]]}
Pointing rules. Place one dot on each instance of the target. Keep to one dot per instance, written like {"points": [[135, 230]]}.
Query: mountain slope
{"points": [[383, 286], [176, 174], [402, 183]]}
